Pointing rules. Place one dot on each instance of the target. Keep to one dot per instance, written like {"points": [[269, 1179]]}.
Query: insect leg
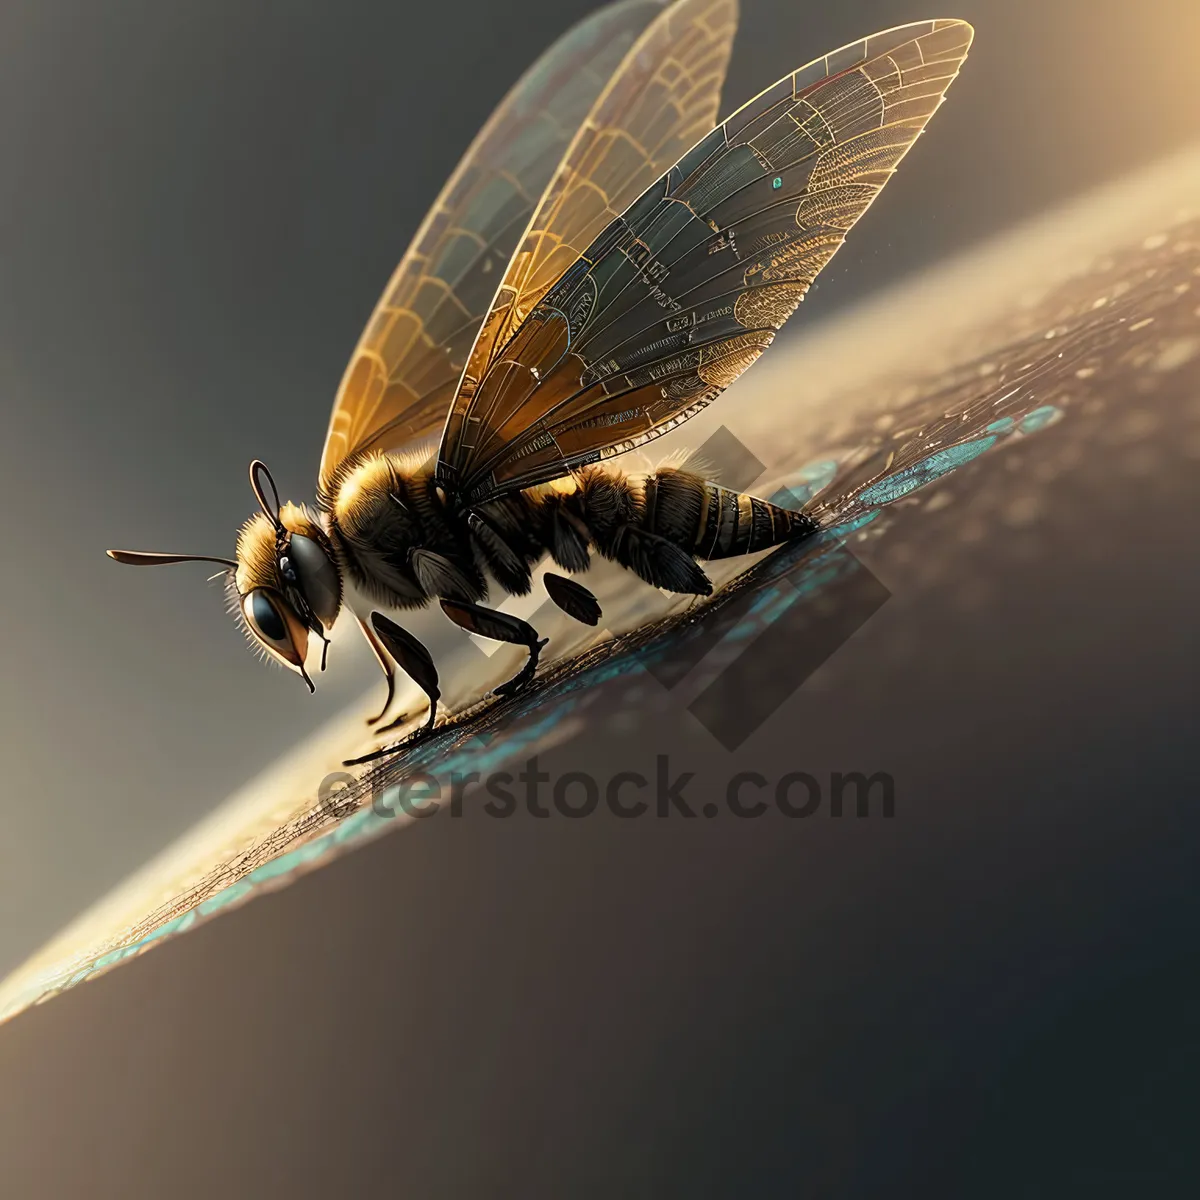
{"points": [[510, 568], [573, 598], [385, 665], [660, 562], [416, 662], [500, 626], [567, 538]]}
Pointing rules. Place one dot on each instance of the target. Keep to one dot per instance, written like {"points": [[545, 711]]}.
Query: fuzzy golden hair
{"points": [[359, 487], [353, 494], [257, 563]]}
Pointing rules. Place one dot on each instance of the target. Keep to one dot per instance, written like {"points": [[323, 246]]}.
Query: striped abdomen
{"points": [[710, 521]]}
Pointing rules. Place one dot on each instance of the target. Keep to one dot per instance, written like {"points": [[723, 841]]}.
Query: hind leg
{"points": [[660, 561], [503, 627]]}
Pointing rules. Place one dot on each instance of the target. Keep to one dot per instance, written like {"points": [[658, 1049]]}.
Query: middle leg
{"points": [[501, 627]]}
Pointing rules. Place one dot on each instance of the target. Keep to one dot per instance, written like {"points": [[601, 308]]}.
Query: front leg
{"points": [[416, 662], [501, 627], [385, 665]]}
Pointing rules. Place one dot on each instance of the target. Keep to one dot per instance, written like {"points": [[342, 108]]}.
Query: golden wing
{"points": [[662, 98], [401, 379], [680, 294]]}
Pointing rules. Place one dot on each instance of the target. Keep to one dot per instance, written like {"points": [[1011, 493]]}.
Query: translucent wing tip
{"points": [[946, 38], [956, 34], [962, 29]]}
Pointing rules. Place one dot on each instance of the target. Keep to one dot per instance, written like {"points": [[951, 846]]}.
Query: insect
{"points": [[601, 265]]}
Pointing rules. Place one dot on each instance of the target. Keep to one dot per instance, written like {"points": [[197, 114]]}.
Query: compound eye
{"points": [[318, 577], [275, 627]]}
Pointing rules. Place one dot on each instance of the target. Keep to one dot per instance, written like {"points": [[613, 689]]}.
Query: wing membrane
{"points": [[680, 294], [662, 98], [402, 377]]}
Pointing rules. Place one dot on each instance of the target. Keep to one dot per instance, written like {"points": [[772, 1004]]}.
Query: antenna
{"points": [[257, 469], [146, 558]]}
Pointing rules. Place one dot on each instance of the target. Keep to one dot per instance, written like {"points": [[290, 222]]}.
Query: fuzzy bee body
{"points": [[403, 545]]}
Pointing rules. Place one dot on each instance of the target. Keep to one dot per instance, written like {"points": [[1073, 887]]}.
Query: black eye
{"points": [[276, 627], [318, 578], [265, 616]]}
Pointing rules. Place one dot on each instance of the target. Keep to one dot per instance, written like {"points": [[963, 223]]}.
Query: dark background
{"points": [[991, 994]]}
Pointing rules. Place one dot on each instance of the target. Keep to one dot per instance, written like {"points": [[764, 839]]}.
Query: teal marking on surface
{"points": [[1040, 418], [777, 182], [352, 826], [235, 891], [802, 485], [289, 861], [766, 600], [917, 476], [852, 526], [168, 927], [1002, 425], [819, 474]]}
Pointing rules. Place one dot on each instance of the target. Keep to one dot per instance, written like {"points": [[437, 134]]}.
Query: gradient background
{"points": [[199, 207]]}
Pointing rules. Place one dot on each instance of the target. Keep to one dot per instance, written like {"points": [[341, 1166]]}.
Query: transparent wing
{"points": [[662, 98], [680, 294], [402, 377]]}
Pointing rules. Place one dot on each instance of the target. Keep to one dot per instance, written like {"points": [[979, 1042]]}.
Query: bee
{"points": [[604, 261]]}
